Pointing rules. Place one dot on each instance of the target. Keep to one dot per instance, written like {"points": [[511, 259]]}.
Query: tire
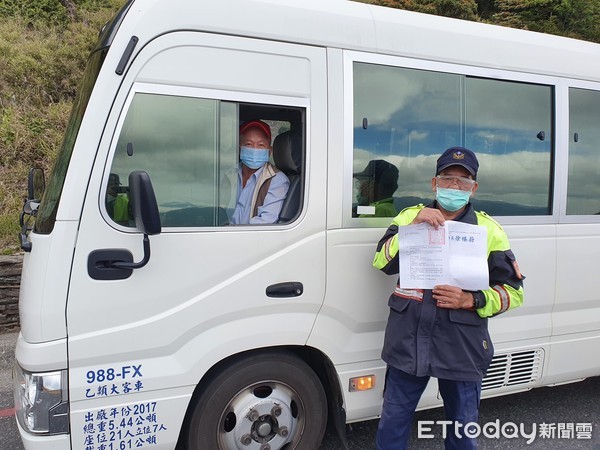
{"points": [[269, 401]]}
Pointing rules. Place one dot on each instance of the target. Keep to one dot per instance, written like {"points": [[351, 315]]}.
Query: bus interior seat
{"points": [[287, 155]]}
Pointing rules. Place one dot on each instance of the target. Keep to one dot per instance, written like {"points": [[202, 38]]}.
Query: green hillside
{"points": [[44, 45]]}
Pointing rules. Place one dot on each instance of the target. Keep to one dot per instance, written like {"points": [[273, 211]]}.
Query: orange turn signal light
{"points": [[363, 383]]}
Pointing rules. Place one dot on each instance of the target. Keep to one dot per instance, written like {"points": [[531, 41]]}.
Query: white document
{"points": [[455, 254]]}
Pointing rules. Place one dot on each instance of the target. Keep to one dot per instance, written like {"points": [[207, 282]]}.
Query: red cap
{"points": [[256, 124]]}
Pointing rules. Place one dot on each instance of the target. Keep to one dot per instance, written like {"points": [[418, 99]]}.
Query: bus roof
{"points": [[357, 26]]}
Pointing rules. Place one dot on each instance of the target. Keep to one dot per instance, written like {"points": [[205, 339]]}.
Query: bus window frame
{"points": [[557, 178], [563, 217], [237, 97]]}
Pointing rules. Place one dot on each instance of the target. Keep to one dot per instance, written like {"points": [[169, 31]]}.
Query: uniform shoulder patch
{"points": [[490, 218], [408, 208], [406, 216]]}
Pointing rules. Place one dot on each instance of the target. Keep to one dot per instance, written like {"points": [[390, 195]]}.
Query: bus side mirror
{"points": [[118, 264], [36, 185], [145, 213], [143, 203]]}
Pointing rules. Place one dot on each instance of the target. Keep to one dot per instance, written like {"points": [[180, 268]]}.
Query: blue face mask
{"points": [[452, 199], [254, 158]]}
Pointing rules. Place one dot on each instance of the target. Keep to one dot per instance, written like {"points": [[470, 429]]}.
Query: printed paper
{"points": [[455, 254]]}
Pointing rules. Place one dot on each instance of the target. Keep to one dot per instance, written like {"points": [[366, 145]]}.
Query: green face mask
{"points": [[452, 199]]}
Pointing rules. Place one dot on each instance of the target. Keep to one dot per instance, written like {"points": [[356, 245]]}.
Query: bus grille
{"points": [[512, 369]]}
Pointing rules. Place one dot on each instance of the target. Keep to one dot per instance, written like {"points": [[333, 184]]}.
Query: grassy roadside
{"points": [[41, 64]]}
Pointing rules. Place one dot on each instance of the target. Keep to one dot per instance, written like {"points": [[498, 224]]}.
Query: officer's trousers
{"points": [[401, 396]]}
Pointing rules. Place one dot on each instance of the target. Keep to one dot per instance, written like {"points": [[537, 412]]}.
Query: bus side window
{"points": [[189, 147], [421, 113], [583, 188]]}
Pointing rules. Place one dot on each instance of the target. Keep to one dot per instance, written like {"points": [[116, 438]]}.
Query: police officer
{"points": [[443, 332]]}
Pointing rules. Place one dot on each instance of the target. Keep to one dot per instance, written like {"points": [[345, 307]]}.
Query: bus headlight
{"points": [[41, 401]]}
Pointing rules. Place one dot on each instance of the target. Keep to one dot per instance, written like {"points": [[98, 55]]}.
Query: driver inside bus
{"points": [[262, 187], [376, 186]]}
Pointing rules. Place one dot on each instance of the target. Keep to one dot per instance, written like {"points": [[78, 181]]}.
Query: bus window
{"points": [[407, 117], [189, 147], [403, 117], [583, 189], [509, 126]]}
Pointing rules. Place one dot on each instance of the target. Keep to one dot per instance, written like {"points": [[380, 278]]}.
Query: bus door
{"points": [[140, 340]]}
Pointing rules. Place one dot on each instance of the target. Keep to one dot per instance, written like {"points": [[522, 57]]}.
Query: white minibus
{"points": [[149, 321]]}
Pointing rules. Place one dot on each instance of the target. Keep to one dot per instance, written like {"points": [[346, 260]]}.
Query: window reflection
{"points": [[583, 189], [509, 126], [176, 140], [408, 117]]}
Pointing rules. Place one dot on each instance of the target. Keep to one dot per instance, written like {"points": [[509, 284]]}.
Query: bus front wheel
{"points": [[269, 401]]}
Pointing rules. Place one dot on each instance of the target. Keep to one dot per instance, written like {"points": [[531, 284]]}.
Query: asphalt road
{"points": [[566, 407], [575, 403]]}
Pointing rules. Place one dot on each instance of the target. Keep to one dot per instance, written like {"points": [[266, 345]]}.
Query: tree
{"points": [[459, 9], [574, 18], [579, 19]]}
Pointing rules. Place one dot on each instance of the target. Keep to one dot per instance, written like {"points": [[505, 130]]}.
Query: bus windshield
{"points": [[47, 212], [46, 215]]}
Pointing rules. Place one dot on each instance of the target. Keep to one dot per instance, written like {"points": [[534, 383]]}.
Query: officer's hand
{"points": [[452, 297], [431, 216]]}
